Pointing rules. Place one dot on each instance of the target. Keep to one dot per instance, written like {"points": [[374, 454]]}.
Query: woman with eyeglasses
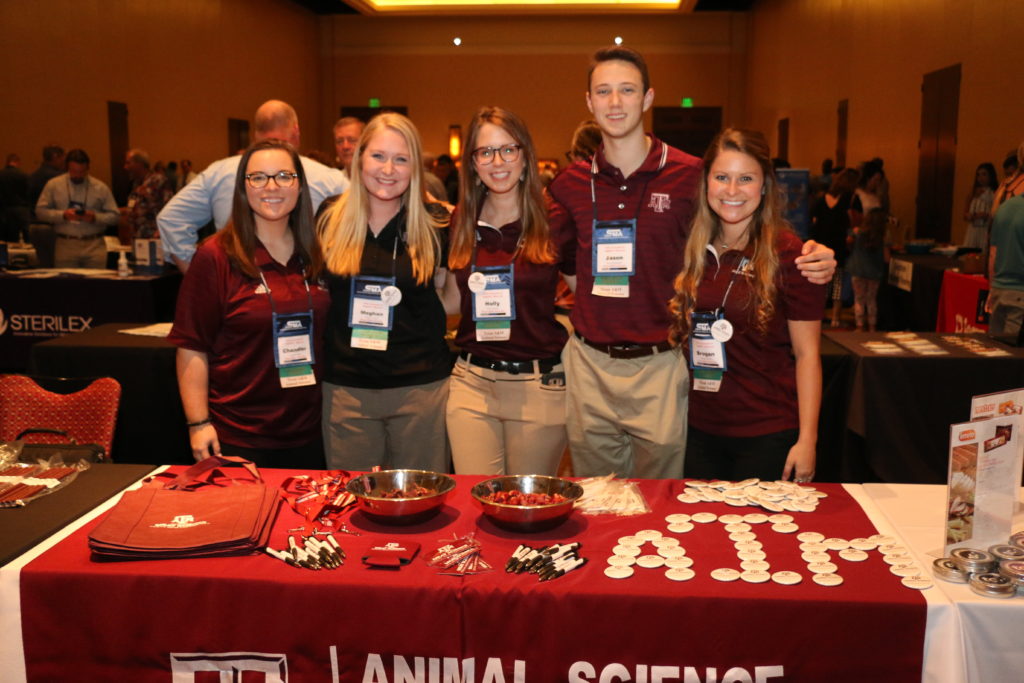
{"points": [[249, 319], [386, 374], [506, 406]]}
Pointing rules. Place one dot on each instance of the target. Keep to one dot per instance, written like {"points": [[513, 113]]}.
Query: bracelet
{"points": [[200, 423]]}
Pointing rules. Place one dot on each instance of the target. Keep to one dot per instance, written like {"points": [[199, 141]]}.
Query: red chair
{"points": [[85, 409]]}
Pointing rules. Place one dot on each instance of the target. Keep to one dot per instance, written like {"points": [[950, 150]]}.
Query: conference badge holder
{"points": [[293, 349], [372, 303], [494, 307], [710, 331], [613, 253]]}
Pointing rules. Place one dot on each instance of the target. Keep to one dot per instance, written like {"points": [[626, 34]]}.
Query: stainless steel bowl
{"points": [[527, 517], [368, 489]]}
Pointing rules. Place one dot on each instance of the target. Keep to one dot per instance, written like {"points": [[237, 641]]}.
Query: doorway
{"points": [[940, 102]]}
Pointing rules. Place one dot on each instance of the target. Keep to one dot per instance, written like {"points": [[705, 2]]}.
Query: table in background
{"points": [[961, 303], [257, 608], [21, 528], [34, 309], [901, 405], [150, 420], [833, 437], [917, 309]]}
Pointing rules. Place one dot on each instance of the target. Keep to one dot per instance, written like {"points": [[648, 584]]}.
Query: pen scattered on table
{"points": [[314, 553], [547, 563]]}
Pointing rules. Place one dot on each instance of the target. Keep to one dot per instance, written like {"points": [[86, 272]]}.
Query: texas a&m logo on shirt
{"points": [[660, 202]]}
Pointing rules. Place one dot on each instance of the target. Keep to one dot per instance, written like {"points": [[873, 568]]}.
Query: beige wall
{"points": [[185, 66], [182, 66], [535, 66], [806, 55]]}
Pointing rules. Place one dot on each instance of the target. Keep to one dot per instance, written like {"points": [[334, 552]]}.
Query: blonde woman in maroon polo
{"points": [[740, 302]]}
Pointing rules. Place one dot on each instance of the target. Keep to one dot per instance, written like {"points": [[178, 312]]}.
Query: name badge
{"points": [[707, 354], [293, 348], [494, 306], [613, 254], [371, 311]]}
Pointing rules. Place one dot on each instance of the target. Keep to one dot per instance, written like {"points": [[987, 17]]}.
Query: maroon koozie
{"points": [[391, 554]]}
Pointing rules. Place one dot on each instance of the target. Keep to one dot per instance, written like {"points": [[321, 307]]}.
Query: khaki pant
{"points": [[72, 253], [1007, 307], [626, 416], [506, 424], [401, 428]]}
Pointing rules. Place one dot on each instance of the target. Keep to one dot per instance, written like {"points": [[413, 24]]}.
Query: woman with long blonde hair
{"points": [[751, 323], [506, 407], [387, 366]]}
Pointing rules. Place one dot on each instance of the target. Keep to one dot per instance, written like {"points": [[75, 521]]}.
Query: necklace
{"points": [[739, 240]]}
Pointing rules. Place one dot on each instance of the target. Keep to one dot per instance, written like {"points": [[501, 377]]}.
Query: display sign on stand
{"points": [[985, 460], [149, 256], [795, 183], [901, 274]]}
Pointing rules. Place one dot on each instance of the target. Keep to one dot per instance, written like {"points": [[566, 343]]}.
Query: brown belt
{"points": [[97, 236], [627, 350]]}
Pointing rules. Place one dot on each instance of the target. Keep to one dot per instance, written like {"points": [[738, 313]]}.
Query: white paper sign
{"points": [[984, 479], [901, 273]]}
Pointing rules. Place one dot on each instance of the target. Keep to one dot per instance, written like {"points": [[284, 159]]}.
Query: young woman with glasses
{"points": [[506, 406], [249, 319], [387, 368]]}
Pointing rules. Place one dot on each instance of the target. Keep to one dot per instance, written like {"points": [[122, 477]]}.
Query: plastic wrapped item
{"points": [[21, 483], [459, 556], [610, 496], [10, 451]]}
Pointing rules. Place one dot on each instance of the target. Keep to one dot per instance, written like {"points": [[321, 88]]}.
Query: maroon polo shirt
{"points": [[227, 316], [758, 391], [534, 334], [660, 194]]}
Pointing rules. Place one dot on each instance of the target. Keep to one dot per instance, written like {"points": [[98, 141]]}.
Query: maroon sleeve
{"points": [[199, 314], [801, 299], [563, 228]]}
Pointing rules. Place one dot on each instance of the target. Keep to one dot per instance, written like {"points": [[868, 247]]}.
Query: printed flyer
{"points": [[984, 480]]}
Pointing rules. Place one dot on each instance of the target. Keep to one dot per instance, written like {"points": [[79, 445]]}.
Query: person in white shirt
{"points": [[209, 196]]}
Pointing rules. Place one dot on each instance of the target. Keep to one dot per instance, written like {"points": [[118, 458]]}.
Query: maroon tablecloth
{"points": [[140, 621]]}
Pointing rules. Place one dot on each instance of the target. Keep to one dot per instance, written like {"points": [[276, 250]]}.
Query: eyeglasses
{"points": [[281, 179], [485, 155]]}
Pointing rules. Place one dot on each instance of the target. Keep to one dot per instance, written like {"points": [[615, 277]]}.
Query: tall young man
{"points": [[630, 210]]}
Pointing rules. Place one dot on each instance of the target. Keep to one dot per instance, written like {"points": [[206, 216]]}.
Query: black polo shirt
{"points": [[417, 352]]}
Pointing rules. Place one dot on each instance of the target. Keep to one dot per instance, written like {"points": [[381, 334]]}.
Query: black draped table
{"points": [[38, 305], [150, 420], [913, 305], [899, 407], [23, 527]]}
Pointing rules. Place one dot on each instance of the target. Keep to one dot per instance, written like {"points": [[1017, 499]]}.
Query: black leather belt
{"points": [[512, 367], [84, 238], [626, 350]]}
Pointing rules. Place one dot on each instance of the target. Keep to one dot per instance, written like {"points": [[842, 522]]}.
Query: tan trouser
{"points": [[505, 424], [72, 253], [400, 428], [626, 416]]}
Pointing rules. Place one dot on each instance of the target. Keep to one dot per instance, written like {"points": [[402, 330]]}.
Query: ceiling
{"points": [[439, 7]]}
